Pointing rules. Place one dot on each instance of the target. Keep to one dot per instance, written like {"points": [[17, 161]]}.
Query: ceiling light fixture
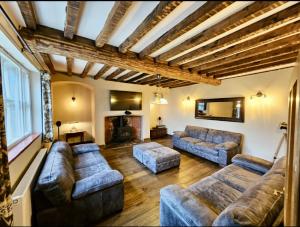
{"points": [[158, 95]]}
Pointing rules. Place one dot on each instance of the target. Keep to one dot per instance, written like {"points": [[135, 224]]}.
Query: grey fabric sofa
{"points": [[248, 192], [215, 145], [76, 187]]}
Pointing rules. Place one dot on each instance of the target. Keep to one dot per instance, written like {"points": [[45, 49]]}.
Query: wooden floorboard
{"points": [[141, 202]]}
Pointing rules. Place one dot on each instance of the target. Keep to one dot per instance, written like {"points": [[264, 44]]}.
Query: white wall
{"points": [[262, 116], [101, 90], [18, 166]]}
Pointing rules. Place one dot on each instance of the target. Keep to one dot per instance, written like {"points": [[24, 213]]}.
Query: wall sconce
{"points": [[188, 98], [259, 94], [73, 99]]}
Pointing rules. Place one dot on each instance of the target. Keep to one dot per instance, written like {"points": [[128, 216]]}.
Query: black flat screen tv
{"points": [[125, 100]]}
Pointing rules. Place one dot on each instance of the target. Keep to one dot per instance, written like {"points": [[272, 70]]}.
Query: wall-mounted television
{"points": [[125, 100]]}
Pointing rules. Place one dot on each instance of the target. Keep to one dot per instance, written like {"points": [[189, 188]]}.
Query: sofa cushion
{"points": [[190, 140], [252, 163], [278, 167], [96, 182], [214, 136], [196, 132], [88, 159], [57, 178], [88, 171], [237, 177], [214, 192], [63, 148], [232, 137], [260, 205], [207, 147], [84, 148]]}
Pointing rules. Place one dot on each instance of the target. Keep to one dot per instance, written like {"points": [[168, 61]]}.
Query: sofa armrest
{"points": [[227, 151], [96, 182], [85, 148], [180, 134], [181, 203], [252, 163]]}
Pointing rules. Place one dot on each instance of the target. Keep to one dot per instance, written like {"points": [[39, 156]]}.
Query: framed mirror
{"points": [[221, 109]]}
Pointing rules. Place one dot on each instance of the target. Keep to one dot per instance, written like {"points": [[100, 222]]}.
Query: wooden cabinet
{"points": [[158, 133]]}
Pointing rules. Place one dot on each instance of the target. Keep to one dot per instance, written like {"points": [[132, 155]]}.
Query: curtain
{"points": [[6, 216], [47, 108]]}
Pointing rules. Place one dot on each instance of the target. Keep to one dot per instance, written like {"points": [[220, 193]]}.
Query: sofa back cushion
{"points": [[219, 136], [259, 205], [57, 177], [196, 132]]}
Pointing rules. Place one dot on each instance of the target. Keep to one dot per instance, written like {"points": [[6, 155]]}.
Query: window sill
{"points": [[18, 149]]}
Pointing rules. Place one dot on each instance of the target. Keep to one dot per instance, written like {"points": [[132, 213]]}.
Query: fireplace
{"points": [[123, 128]]}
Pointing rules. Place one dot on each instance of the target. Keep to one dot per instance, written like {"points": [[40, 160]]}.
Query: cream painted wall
{"points": [[68, 112], [101, 94], [18, 166], [262, 116]]}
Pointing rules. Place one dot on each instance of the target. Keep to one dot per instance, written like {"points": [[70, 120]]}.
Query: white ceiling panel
{"points": [[177, 15], [123, 73], [59, 62], [78, 66], [134, 76], [132, 19], [111, 70], [93, 18], [13, 11], [96, 67], [51, 13]]}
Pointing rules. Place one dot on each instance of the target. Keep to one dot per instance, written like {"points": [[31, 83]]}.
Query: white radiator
{"points": [[22, 209]]}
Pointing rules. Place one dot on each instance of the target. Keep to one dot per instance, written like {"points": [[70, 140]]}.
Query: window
{"points": [[17, 106]]}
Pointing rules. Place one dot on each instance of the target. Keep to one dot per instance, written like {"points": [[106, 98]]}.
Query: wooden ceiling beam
{"points": [[101, 72], [70, 62], [47, 60], [86, 70], [263, 56], [254, 67], [72, 18], [27, 11], [167, 84], [136, 78], [206, 11], [127, 75], [148, 79], [163, 9], [258, 62], [51, 41], [248, 13], [286, 42], [114, 74], [275, 21], [116, 14], [182, 85], [162, 80], [260, 41]]}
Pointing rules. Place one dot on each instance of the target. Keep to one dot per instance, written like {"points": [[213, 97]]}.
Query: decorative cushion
{"points": [[196, 132], [190, 140], [252, 163], [56, 179], [260, 205], [83, 148], [96, 182], [206, 147]]}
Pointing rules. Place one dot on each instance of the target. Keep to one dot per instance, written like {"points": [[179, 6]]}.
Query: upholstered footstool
{"points": [[156, 157]]}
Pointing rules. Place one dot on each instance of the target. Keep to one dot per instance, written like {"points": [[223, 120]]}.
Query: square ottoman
{"points": [[156, 157]]}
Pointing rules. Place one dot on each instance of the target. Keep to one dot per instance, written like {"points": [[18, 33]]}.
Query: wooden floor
{"points": [[141, 205]]}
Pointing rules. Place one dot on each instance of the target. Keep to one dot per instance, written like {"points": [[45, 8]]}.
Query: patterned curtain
{"points": [[47, 108], [6, 215]]}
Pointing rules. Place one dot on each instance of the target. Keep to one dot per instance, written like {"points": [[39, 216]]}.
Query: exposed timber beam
{"points": [[153, 77], [101, 72], [116, 14], [181, 85], [114, 74], [254, 67], [127, 75], [136, 78], [47, 60], [51, 41], [275, 21], [286, 42], [248, 13], [87, 68], [260, 41], [206, 11], [70, 62], [72, 18], [159, 13], [27, 11]]}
